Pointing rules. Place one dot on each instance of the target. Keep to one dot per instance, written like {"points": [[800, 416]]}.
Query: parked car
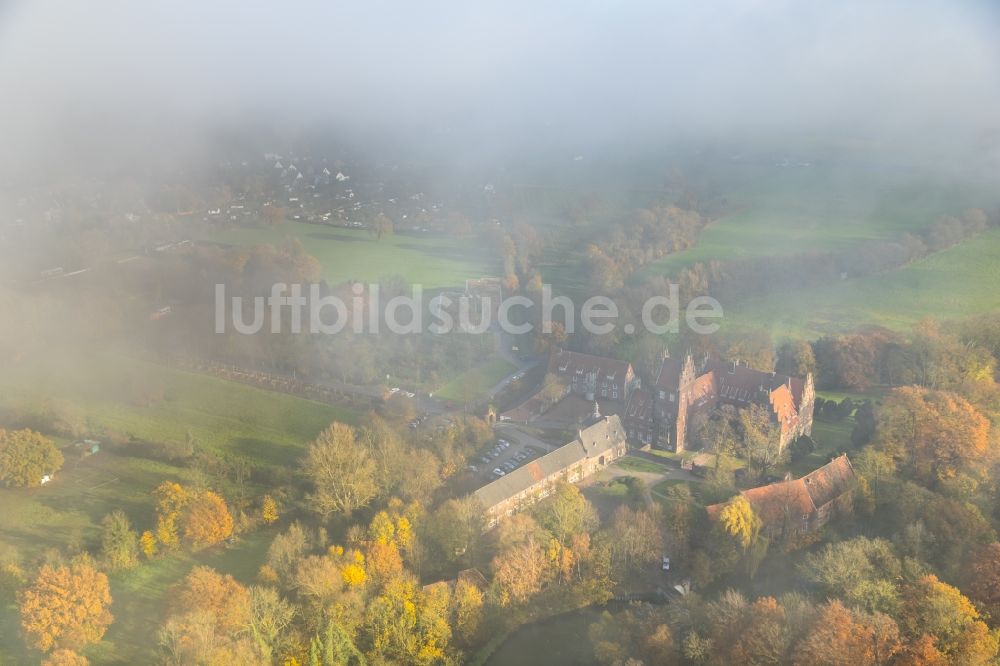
{"points": [[666, 563], [472, 468], [509, 466], [504, 443], [486, 460], [498, 472]]}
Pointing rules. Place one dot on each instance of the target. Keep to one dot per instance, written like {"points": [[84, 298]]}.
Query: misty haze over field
{"points": [[86, 81]]}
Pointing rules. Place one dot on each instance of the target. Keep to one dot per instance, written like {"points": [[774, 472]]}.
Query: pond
{"points": [[557, 641]]}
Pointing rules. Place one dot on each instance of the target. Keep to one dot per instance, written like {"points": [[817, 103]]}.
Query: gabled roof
{"points": [[743, 380], [829, 481], [793, 500], [781, 501], [782, 404], [589, 443], [564, 363], [640, 405], [669, 376]]}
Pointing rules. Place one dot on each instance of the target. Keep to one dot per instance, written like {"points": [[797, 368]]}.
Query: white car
{"points": [[394, 390], [666, 563], [498, 472]]}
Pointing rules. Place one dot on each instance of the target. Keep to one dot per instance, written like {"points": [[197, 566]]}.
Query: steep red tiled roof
{"points": [[780, 502], [782, 404], [795, 500], [829, 481]]}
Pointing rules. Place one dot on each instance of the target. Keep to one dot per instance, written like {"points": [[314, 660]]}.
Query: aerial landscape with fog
{"points": [[600, 333]]}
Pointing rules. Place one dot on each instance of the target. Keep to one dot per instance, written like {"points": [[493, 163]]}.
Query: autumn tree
{"points": [[935, 434], [519, 572], [453, 530], [467, 611], [26, 456], [334, 647], [119, 542], [982, 577], [932, 607], [717, 432], [66, 607], [795, 359], [269, 616], [207, 520], [738, 520], [839, 637], [762, 636], [635, 538], [406, 625], [566, 512], [860, 571], [759, 442], [268, 510], [286, 549], [341, 471], [171, 500], [205, 589], [65, 658]]}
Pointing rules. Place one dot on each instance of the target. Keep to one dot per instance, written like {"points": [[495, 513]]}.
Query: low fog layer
{"points": [[84, 80]]}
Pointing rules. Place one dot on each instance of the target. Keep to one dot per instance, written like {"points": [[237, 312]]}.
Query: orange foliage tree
{"points": [[226, 600], [66, 607], [207, 520], [934, 433]]}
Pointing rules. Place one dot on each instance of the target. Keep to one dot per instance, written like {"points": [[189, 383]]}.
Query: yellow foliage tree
{"points": [[66, 658], [739, 521], [66, 607], [353, 575], [268, 510], [171, 498], [147, 542]]}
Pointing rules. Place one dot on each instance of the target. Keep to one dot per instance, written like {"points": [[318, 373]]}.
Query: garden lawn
{"points": [[474, 383]]}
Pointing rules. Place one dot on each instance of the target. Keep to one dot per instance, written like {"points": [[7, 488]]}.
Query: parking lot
{"points": [[512, 449]]}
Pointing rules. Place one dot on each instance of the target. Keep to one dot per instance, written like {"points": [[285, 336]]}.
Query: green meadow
{"points": [[792, 210], [952, 284], [429, 259], [154, 403], [151, 403], [474, 383]]}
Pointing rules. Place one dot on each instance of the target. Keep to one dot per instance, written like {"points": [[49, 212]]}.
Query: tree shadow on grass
{"points": [[266, 452]]}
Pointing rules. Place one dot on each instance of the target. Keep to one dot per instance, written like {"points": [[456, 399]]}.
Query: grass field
{"points": [[953, 284], [830, 438], [113, 392], [155, 403], [785, 211], [474, 383], [431, 260]]}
